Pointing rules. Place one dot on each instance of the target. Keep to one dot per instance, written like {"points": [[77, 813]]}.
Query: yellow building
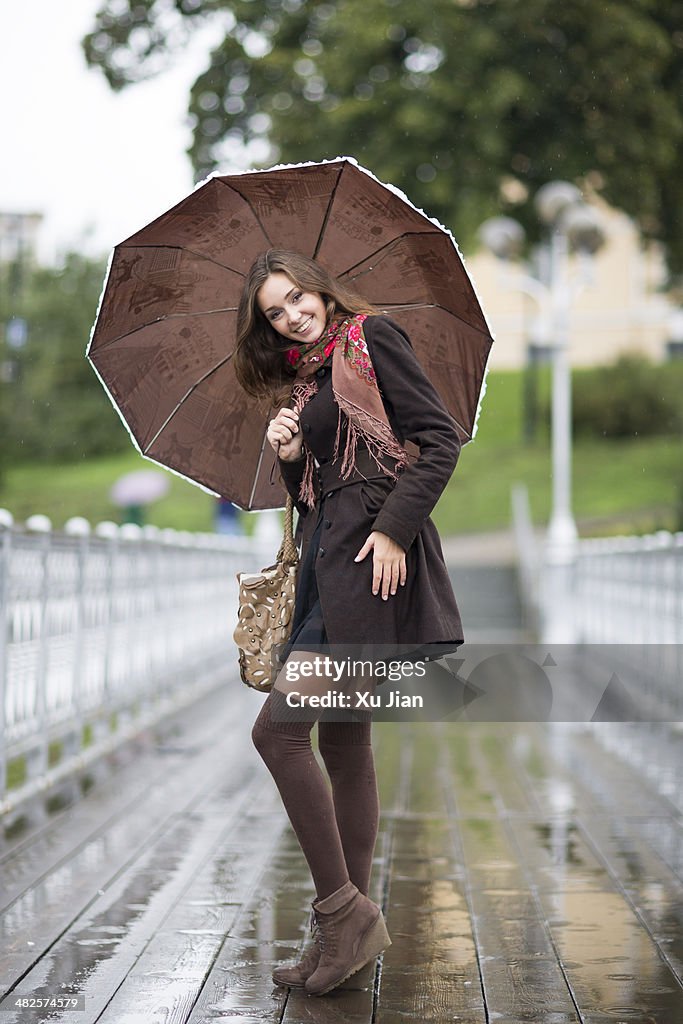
{"points": [[622, 307]]}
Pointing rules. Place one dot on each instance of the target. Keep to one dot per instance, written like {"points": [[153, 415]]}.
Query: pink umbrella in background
{"points": [[134, 491]]}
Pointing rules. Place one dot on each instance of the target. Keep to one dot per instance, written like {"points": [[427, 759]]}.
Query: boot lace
{"points": [[326, 934]]}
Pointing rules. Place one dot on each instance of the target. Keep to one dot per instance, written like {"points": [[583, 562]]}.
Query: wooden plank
{"points": [[165, 981], [430, 971], [34, 922], [469, 793], [101, 944], [653, 891], [569, 756], [586, 913], [613, 966], [265, 931], [521, 975], [498, 745], [134, 772]]}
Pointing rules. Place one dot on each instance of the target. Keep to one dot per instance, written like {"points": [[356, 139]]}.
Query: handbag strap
{"points": [[288, 554]]}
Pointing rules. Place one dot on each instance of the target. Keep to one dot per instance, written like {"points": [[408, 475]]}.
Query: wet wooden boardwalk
{"points": [[526, 873]]}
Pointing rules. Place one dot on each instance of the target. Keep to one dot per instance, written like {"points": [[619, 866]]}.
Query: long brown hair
{"points": [[260, 364]]}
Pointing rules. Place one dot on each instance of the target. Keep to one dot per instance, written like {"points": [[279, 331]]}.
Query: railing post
{"points": [[79, 529], [37, 758], [5, 551]]}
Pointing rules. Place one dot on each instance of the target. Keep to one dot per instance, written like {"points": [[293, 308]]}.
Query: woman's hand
{"points": [[284, 435], [388, 563]]}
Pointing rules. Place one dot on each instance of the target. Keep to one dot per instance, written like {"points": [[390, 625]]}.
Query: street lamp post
{"points": [[562, 533], [572, 224]]}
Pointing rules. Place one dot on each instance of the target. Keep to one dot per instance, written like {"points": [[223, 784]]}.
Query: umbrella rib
{"points": [[396, 238], [398, 308], [186, 396], [248, 202], [182, 248], [160, 319], [328, 211], [258, 468]]}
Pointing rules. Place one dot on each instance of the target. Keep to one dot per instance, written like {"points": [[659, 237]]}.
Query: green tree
{"points": [[448, 99], [53, 406]]}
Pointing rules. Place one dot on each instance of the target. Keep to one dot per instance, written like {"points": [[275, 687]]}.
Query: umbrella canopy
{"points": [[163, 340]]}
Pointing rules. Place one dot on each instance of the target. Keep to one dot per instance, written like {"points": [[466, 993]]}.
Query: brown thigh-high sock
{"points": [[284, 742], [347, 752]]}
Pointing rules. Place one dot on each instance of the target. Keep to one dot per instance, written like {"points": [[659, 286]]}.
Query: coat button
{"points": [[327, 524], [306, 427], [321, 552], [321, 372]]}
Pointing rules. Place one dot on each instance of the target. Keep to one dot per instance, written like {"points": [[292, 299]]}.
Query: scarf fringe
{"points": [[302, 391], [378, 437]]}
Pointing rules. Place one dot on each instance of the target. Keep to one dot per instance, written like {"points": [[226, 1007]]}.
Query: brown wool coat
{"points": [[424, 610]]}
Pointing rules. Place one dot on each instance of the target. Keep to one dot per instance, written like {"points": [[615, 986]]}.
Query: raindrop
{"points": [[212, 126], [325, 12], [314, 89], [304, 67], [238, 84], [396, 33], [208, 101], [256, 45], [259, 124], [234, 105], [281, 101], [102, 42], [378, 73], [312, 47], [425, 172]]}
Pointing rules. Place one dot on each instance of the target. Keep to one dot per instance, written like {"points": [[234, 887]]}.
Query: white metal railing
{"points": [[630, 589], [103, 632], [620, 600]]}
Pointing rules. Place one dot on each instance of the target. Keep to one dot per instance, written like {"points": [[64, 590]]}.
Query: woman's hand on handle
{"points": [[284, 435], [388, 563]]}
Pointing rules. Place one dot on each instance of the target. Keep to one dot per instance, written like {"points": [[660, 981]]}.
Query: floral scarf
{"points": [[355, 390]]}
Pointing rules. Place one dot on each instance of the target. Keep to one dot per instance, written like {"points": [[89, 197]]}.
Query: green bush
{"points": [[632, 397]]}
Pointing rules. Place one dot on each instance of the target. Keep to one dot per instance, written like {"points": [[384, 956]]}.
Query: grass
{"points": [[618, 486], [82, 489]]}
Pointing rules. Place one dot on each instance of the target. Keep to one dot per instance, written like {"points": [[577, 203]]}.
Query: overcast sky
{"points": [[90, 160]]}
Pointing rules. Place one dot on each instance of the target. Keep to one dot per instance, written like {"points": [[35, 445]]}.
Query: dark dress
{"points": [[335, 607]]}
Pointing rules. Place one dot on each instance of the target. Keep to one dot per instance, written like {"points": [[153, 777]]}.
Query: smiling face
{"points": [[295, 314]]}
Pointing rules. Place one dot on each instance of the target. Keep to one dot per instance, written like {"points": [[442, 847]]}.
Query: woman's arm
{"points": [[291, 473], [417, 414]]}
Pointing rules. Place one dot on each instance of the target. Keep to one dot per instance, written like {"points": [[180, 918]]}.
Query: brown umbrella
{"points": [[165, 330]]}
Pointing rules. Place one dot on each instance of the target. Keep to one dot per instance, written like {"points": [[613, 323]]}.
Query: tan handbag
{"points": [[266, 608]]}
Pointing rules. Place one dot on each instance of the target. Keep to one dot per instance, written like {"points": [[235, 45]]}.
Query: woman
{"points": [[372, 578]]}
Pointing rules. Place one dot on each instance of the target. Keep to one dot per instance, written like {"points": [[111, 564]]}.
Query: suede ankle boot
{"points": [[295, 975], [351, 931]]}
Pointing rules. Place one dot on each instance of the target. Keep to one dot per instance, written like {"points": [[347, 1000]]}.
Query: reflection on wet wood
{"points": [[527, 875], [430, 971]]}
